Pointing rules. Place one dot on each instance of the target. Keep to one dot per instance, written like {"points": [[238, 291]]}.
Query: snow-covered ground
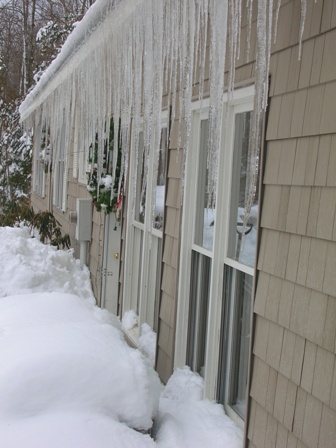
{"points": [[67, 377]]}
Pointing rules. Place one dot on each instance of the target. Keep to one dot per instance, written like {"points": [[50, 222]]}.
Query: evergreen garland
{"points": [[104, 194]]}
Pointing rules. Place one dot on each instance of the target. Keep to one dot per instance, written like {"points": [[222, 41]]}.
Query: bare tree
{"points": [[21, 56], [20, 21]]}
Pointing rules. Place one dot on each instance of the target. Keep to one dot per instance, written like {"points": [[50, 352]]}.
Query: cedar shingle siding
{"points": [[293, 387]]}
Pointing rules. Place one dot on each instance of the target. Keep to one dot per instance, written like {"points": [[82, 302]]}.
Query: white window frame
{"points": [[60, 168], [146, 306], [75, 145], [82, 160], [242, 101], [39, 165]]}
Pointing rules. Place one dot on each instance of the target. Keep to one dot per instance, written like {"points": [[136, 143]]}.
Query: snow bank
{"points": [[67, 377], [129, 320], [28, 266], [71, 430], [187, 421], [147, 342], [68, 356]]}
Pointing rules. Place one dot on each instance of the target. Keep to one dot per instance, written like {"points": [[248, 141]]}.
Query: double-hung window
{"points": [[217, 256], [238, 270], [83, 155], [60, 172], [40, 154], [201, 251], [146, 193]]}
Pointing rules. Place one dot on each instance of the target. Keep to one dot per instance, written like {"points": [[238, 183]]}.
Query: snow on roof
{"points": [[102, 14]]}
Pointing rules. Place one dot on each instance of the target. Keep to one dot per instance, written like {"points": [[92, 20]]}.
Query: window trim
{"points": [[148, 231], [198, 111], [230, 344], [82, 160], [60, 191], [39, 167], [242, 100]]}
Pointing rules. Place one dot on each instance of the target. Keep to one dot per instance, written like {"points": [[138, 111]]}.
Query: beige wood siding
{"points": [[171, 235], [293, 384], [95, 247]]}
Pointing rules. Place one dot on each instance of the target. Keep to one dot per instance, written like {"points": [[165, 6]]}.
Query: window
{"points": [[160, 184], [238, 289], [140, 189], [60, 173], [198, 311], [84, 156], [217, 257], [40, 160], [201, 254], [144, 229], [238, 270], [204, 215], [136, 229], [242, 241]]}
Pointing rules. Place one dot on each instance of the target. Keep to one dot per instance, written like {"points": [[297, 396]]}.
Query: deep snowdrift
{"points": [[28, 266], [66, 356], [67, 377]]}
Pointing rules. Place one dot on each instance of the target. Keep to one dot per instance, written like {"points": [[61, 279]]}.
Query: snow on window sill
{"points": [[132, 336]]}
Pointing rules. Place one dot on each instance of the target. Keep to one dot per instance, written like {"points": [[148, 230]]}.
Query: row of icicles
{"points": [[145, 50]]}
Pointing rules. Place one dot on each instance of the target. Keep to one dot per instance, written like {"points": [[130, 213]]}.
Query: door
{"points": [[110, 274]]}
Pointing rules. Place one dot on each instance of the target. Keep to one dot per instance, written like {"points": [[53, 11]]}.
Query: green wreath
{"points": [[104, 194]]}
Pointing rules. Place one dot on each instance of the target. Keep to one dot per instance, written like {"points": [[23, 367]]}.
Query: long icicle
{"points": [[118, 72]]}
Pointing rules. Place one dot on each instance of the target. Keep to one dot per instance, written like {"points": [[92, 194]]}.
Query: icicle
{"points": [[166, 42], [137, 90], [203, 49], [302, 24], [182, 58], [148, 94], [174, 60], [234, 39], [188, 82], [126, 102], [269, 47], [168, 50], [276, 20], [231, 23], [259, 108], [239, 19], [197, 35], [218, 20], [137, 48], [158, 91], [249, 7]]}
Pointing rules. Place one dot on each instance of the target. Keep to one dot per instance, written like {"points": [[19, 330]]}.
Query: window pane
{"points": [[242, 241], [60, 183], [136, 268], [60, 170], [205, 217], [160, 181], [238, 296], [154, 283], [140, 191], [198, 311]]}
